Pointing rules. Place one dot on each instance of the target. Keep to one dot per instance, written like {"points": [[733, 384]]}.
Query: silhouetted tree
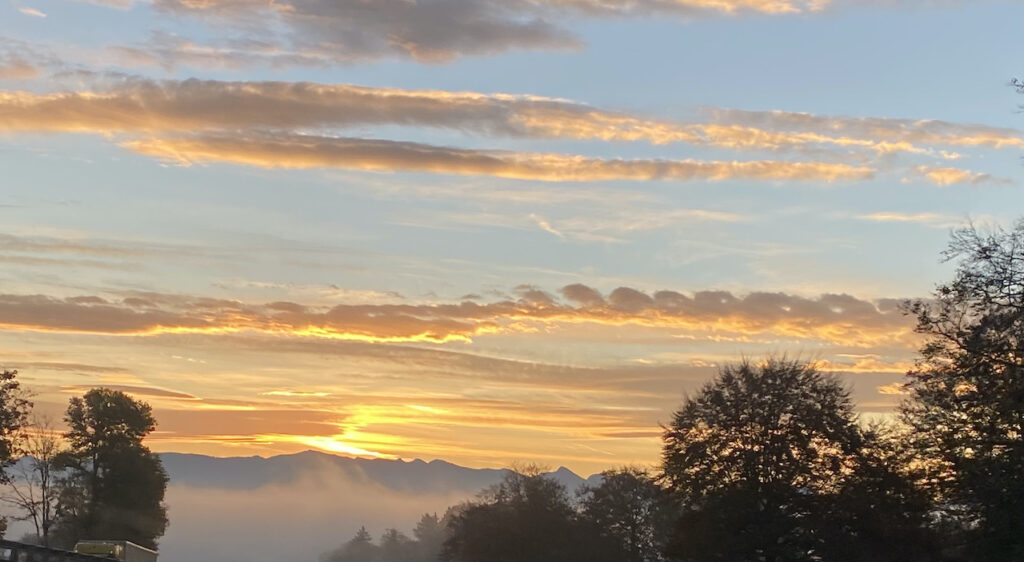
{"points": [[430, 536], [395, 546], [966, 405], [748, 456], [880, 513], [14, 410], [359, 549], [528, 517], [115, 487], [34, 487], [633, 511]]}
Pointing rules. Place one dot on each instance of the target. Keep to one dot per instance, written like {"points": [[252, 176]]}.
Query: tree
{"points": [[528, 517], [359, 549], [34, 488], [116, 485], [749, 455], [430, 536], [631, 509], [395, 546], [880, 513], [966, 404], [14, 411]]}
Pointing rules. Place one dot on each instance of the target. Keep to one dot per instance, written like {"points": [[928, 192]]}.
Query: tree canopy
{"points": [[527, 517], [115, 486], [774, 428], [633, 511], [14, 414], [769, 463], [966, 404]]}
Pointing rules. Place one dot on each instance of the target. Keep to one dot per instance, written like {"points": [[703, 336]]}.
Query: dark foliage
{"points": [[14, 411], [967, 391], [769, 463], [631, 511], [528, 517], [359, 549], [115, 485]]}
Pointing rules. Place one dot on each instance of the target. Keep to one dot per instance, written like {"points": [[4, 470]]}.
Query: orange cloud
{"points": [[899, 133], [833, 318], [13, 68], [301, 151], [192, 105], [866, 365], [949, 176], [894, 389], [137, 390]]}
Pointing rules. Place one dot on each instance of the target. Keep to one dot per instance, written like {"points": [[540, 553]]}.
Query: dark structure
{"points": [[21, 552]]}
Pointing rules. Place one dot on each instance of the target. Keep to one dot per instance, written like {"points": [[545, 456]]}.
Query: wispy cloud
{"points": [[14, 67], [892, 134], [149, 391], [294, 125], [602, 223], [306, 151], [22, 60], [431, 31], [31, 12], [937, 220], [869, 364], [894, 389], [144, 105], [950, 176], [136, 105]]}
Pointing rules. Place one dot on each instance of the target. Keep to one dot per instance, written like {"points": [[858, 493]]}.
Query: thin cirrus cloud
{"points": [[150, 391], [937, 220], [833, 318], [21, 60], [307, 151]]}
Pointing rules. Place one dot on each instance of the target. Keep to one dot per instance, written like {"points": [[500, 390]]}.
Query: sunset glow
{"points": [[485, 232]]}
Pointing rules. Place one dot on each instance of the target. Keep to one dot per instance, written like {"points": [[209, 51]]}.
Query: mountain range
{"points": [[296, 507], [415, 476]]}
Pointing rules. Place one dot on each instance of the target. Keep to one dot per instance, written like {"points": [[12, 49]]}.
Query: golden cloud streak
{"points": [[268, 329], [865, 365], [145, 106], [300, 152], [894, 389], [949, 176], [904, 133]]}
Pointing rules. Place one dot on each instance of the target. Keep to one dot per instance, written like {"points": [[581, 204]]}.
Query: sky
{"points": [[488, 231]]}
